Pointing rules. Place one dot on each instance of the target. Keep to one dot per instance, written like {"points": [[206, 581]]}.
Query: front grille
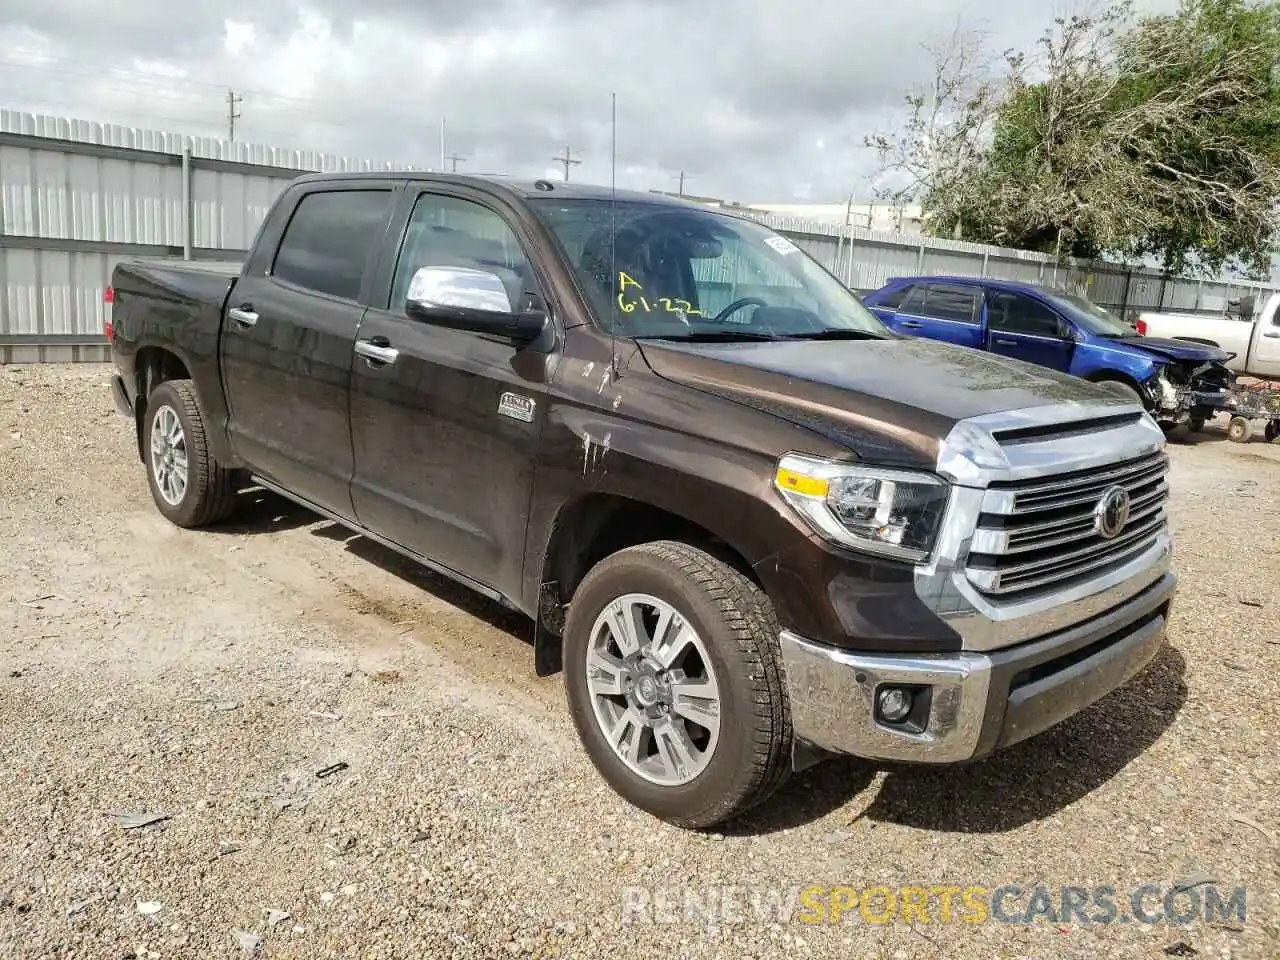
{"points": [[1041, 534]]}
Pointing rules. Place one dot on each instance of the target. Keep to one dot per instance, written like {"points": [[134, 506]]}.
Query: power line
{"points": [[232, 114], [566, 161]]}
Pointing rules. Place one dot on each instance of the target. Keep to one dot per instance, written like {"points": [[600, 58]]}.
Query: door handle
{"points": [[1001, 342], [910, 324], [1271, 336], [377, 353], [243, 316]]}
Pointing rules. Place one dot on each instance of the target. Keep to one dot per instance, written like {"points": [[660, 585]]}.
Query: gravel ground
{"points": [[209, 677]]}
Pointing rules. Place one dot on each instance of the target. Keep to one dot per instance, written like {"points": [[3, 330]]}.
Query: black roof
{"points": [[521, 187]]}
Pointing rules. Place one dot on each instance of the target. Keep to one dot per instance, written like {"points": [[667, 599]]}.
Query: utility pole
{"points": [[232, 115], [680, 189], [567, 161], [442, 156], [455, 158]]}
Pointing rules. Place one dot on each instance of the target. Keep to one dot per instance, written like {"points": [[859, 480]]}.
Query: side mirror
{"points": [[464, 298]]}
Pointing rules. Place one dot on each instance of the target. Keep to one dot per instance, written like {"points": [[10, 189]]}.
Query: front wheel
{"points": [[1122, 390], [675, 685], [188, 486], [1196, 424], [1271, 430], [1239, 430]]}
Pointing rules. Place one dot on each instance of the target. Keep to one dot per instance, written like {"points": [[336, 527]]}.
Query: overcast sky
{"points": [[763, 101]]}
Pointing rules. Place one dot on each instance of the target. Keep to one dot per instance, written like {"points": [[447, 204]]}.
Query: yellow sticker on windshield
{"points": [[669, 304]]}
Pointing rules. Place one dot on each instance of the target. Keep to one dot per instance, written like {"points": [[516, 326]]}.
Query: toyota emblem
{"points": [[1111, 513]]}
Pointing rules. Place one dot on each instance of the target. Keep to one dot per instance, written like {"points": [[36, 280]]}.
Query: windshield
{"points": [[660, 270], [1092, 317]]}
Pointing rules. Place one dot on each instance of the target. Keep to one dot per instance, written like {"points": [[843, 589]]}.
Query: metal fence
{"points": [[77, 197]]}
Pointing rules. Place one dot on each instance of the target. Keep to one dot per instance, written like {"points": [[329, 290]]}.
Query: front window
{"points": [[661, 270], [1093, 318]]}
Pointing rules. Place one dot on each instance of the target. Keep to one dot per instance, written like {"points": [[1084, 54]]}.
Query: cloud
{"points": [[759, 101]]}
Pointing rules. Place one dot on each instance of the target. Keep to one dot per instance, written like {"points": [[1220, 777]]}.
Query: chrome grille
{"points": [[1042, 534]]}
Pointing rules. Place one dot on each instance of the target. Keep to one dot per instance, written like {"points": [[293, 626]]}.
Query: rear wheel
{"points": [[674, 682], [1272, 430], [1239, 430], [1195, 425], [188, 486]]}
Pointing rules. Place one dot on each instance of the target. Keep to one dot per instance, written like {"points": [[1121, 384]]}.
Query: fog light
{"points": [[894, 704]]}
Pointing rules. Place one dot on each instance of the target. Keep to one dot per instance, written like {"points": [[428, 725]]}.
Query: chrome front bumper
{"points": [[978, 702]]}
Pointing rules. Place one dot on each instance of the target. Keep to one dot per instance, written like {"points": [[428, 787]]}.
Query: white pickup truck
{"points": [[1254, 337]]}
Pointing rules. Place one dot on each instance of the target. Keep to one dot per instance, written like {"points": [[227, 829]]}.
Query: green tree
{"points": [[1125, 137]]}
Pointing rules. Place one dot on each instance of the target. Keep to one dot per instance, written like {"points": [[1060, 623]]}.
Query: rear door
{"points": [[446, 432], [951, 312], [286, 346], [1023, 328]]}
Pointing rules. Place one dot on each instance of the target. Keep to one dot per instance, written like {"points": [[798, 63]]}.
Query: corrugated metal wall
{"points": [[76, 197]]}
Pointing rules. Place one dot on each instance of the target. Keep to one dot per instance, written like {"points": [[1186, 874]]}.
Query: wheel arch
{"points": [[153, 365], [595, 525], [1121, 376]]}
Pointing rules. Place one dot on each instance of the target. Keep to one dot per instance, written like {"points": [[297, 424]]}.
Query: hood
{"points": [[886, 399], [1174, 349]]}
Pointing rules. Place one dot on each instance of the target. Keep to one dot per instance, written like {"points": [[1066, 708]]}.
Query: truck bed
{"points": [[203, 282], [177, 303], [228, 268]]}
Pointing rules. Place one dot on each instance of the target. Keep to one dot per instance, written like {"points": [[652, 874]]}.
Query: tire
{"points": [[1272, 430], [1122, 389], [1239, 430], [734, 622], [208, 493], [1195, 424]]}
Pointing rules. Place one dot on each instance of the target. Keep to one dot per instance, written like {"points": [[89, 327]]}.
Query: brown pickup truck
{"points": [[754, 526]]}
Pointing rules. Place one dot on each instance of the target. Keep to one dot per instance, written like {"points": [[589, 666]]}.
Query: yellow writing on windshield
{"points": [[669, 304]]}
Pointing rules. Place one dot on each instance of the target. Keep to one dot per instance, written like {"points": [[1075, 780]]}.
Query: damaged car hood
{"points": [[1170, 349]]}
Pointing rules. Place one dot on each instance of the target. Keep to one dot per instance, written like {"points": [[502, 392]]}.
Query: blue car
{"points": [[1178, 381]]}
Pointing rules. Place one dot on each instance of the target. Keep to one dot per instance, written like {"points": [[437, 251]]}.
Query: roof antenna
{"points": [[613, 231]]}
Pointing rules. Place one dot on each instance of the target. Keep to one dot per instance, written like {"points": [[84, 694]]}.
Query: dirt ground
{"points": [[354, 758]]}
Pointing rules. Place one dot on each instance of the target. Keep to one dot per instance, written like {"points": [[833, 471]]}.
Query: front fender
{"points": [[1095, 361], [726, 491]]}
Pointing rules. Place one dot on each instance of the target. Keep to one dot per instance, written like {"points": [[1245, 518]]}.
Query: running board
{"points": [[416, 557]]}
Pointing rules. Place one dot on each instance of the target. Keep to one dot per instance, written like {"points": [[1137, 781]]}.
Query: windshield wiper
{"points": [[712, 336], [835, 333]]}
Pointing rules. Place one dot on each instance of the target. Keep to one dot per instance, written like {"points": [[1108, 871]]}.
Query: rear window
{"points": [[328, 240]]}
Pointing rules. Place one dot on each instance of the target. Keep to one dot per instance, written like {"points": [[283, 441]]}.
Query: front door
{"points": [[1023, 328], [445, 434], [287, 339]]}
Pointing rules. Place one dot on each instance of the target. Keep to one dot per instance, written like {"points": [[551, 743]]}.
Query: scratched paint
{"points": [[594, 452]]}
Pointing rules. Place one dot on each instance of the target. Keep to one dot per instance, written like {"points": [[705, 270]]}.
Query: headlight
{"points": [[895, 513]]}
